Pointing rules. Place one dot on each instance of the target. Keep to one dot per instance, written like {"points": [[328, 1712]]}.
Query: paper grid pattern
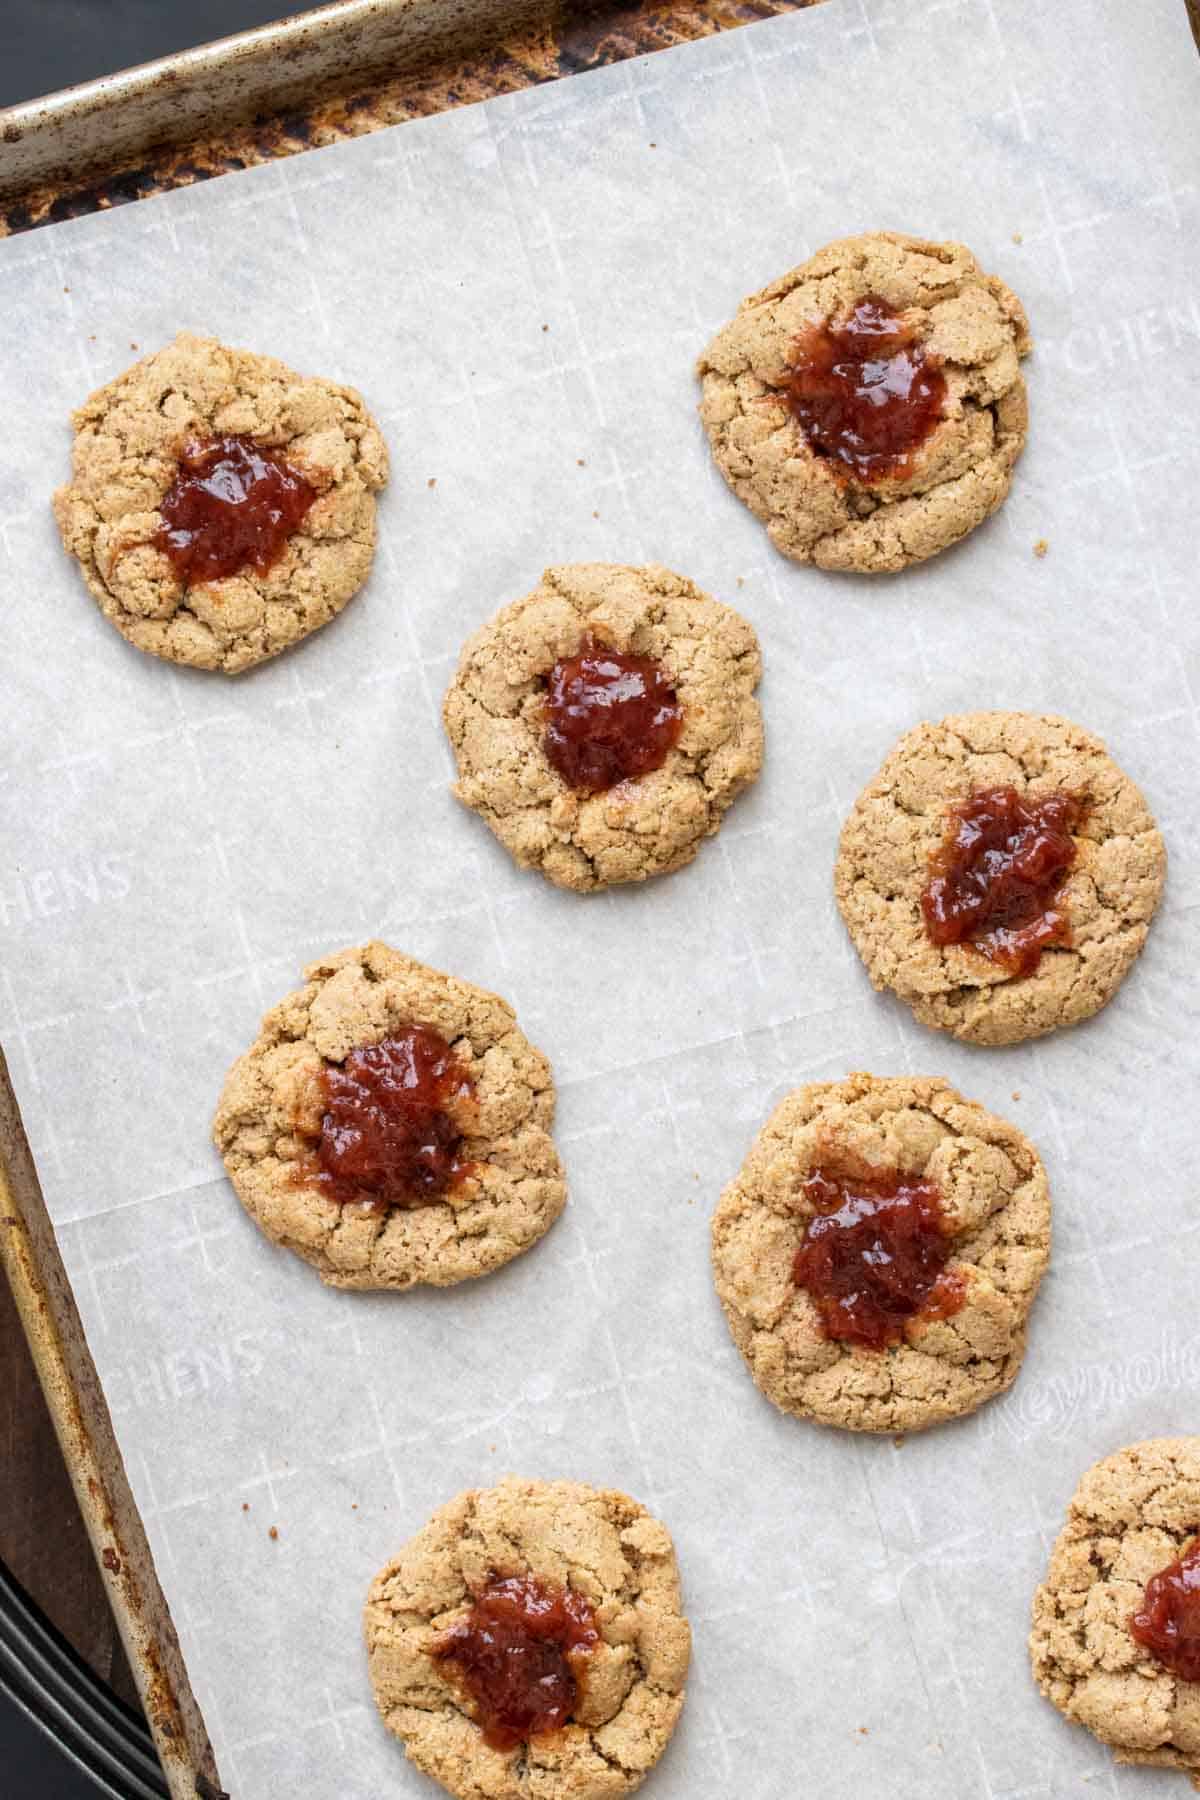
{"points": [[520, 290]]}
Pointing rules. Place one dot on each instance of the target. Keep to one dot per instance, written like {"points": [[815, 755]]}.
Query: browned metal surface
{"points": [[575, 35]]}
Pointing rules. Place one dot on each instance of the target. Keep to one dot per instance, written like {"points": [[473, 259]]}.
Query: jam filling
{"points": [[520, 1656], [388, 1133], [609, 717], [864, 392], [874, 1255], [1168, 1621], [232, 506], [994, 882]]}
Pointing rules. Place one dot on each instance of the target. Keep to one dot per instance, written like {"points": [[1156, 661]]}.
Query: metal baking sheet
{"points": [[176, 847], [219, 98], [338, 73]]}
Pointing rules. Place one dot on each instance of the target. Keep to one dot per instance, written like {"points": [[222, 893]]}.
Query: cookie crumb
{"points": [[595, 515], [1016, 1093], [133, 346], [1041, 547], [66, 290], [545, 328], [864, 1731], [654, 146], [273, 1534], [432, 482], [245, 1506], [581, 462], [899, 1440], [1018, 238], [741, 581], [354, 1506]]}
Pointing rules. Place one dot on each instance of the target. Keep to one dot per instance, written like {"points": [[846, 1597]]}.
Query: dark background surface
{"points": [[33, 1769], [48, 44]]}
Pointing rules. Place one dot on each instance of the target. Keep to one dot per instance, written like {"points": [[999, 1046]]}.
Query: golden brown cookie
{"points": [[1105, 901], [391, 1125], [822, 1180], [964, 325], [617, 1564], [1131, 1517], [647, 825], [179, 403]]}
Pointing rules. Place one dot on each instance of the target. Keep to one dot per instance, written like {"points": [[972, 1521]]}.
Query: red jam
{"points": [[609, 717], [520, 1655], [994, 883], [232, 506], [389, 1133], [1168, 1620], [864, 392], [874, 1256]]}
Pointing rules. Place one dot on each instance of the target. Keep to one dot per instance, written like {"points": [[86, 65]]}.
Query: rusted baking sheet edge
{"points": [[335, 73], [31, 1261]]}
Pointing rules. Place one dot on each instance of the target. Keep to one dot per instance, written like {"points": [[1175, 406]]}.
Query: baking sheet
{"points": [[520, 289]]}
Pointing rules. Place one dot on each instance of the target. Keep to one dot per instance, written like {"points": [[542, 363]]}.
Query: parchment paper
{"points": [[520, 290]]}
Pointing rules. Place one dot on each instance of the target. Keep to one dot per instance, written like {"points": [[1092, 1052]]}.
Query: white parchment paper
{"points": [[520, 290]]}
